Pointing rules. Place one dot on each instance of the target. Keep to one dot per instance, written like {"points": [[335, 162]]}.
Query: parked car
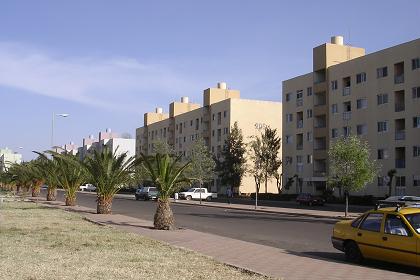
{"points": [[309, 199], [146, 193], [87, 188], [194, 193], [389, 234]]}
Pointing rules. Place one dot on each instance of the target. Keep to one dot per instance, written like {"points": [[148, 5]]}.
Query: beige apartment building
{"points": [[222, 107], [375, 96]]}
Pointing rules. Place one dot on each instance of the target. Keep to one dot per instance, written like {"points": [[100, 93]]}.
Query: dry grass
{"points": [[44, 243]]}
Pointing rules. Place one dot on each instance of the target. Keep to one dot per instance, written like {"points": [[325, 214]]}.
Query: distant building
{"points": [[8, 157], [374, 96], [222, 107], [108, 139]]}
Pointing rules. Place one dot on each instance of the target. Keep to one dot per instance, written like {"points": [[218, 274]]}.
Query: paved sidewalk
{"points": [[270, 261], [267, 209]]}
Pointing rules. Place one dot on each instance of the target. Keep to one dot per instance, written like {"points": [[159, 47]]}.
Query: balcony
{"points": [[400, 135], [346, 91], [320, 173], [400, 163], [299, 124], [299, 102], [399, 107], [347, 115], [399, 79], [299, 146]]}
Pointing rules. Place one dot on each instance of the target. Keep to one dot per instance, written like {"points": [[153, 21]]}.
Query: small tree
{"points": [[50, 171], [167, 174], [391, 175], [350, 165], [257, 169], [232, 164], [271, 161], [202, 167]]}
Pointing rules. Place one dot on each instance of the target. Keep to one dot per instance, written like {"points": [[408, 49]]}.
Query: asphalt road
{"points": [[296, 234]]}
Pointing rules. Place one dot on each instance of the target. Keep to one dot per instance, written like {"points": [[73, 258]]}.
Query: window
{"points": [[416, 122], [299, 94], [219, 118], [361, 129], [334, 133], [346, 131], [361, 103], [382, 153], [356, 223], [382, 72], [309, 136], [381, 182], [416, 151], [415, 63], [372, 222], [334, 85], [334, 108], [288, 96], [382, 98], [416, 92], [416, 181], [360, 78], [400, 181], [212, 133], [197, 124], [185, 138], [383, 126], [289, 139], [213, 117], [191, 123], [309, 91], [309, 159], [395, 226], [289, 160], [226, 130], [309, 113], [219, 135], [289, 117]]}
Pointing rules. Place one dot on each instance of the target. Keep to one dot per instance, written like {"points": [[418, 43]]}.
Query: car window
{"points": [[152, 189], [414, 220], [357, 221], [372, 222], [395, 225]]}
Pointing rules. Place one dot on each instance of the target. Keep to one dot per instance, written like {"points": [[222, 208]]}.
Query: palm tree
{"points": [[50, 171], [19, 176], [36, 174], [391, 174], [71, 174], [109, 172], [167, 174]]}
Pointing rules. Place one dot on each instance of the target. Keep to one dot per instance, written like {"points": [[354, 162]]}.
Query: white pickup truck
{"points": [[194, 193], [87, 188]]}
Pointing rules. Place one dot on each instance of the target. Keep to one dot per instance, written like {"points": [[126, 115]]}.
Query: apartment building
{"points": [[8, 157], [374, 96], [107, 138], [222, 107]]}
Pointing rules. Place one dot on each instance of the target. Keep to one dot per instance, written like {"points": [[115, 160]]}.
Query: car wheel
{"points": [[352, 252], [208, 198], [137, 198], [188, 197]]}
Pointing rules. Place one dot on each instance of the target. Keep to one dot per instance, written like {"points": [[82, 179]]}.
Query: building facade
{"points": [[222, 107], [374, 96], [8, 157]]}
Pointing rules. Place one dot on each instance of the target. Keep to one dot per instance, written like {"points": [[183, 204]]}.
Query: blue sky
{"points": [[108, 62]]}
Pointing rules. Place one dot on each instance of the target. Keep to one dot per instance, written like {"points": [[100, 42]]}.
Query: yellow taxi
{"points": [[389, 234]]}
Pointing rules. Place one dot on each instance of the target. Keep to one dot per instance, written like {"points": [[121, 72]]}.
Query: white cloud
{"points": [[113, 83]]}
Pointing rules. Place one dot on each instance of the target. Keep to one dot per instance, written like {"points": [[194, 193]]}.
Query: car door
{"points": [[369, 235], [399, 242]]}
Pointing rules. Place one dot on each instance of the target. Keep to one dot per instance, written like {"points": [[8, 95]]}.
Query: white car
{"points": [[87, 188], [197, 193]]}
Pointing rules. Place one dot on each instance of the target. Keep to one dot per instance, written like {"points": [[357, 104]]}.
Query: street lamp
{"points": [[52, 125]]}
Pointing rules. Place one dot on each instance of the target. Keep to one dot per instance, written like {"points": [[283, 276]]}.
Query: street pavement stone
{"points": [[265, 260]]}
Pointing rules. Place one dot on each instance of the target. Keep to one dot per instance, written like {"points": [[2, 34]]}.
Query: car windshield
{"points": [[152, 189], [414, 220], [191, 190]]}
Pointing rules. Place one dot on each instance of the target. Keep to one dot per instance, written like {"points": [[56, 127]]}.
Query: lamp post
{"points": [[52, 125]]}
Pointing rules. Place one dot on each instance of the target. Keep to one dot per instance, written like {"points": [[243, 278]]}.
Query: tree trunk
{"points": [[51, 194], [164, 218], [70, 201], [104, 205], [347, 204], [35, 192], [266, 183]]}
